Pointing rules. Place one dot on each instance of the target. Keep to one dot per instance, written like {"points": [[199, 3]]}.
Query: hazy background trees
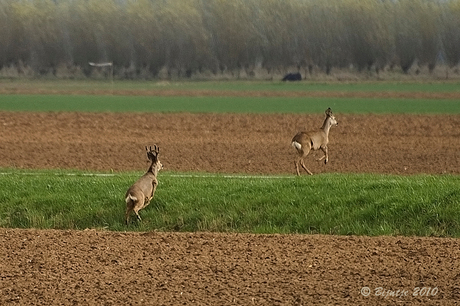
{"points": [[185, 38]]}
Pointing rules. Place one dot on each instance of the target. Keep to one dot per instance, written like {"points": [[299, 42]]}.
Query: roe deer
{"points": [[141, 192], [304, 142]]}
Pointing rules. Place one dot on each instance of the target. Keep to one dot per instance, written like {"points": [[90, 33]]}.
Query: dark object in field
{"points": [[293, 77]]}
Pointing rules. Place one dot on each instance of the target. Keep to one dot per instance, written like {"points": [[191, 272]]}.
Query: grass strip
{"points": [[344, 204]]}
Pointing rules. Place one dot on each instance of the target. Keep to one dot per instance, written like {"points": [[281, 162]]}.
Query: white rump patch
{"points": [[296, 145], [130, 197]]}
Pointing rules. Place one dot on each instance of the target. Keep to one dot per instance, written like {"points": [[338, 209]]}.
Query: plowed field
{"points": [[228, 143]]}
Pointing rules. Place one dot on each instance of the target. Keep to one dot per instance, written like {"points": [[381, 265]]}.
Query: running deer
{"points": [[141, 192], [304, 142]]}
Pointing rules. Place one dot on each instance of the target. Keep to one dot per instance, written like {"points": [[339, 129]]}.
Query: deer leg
{"points": [[300, 160], [147, 200], [304, 167], [296, 163], [138, 206], [136, 211], [326, 156], [302, 163], [129, 208]]}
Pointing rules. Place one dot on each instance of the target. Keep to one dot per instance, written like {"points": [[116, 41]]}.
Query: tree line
{"points": [[188, 37]]}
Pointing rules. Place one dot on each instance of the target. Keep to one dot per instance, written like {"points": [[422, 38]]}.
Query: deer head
{"points": [[332, 119]]}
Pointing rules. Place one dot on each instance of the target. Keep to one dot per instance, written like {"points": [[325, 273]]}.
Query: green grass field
{"points": [[278, 86], [46, 103], [362, 204], [115, 103], [422, 205]]}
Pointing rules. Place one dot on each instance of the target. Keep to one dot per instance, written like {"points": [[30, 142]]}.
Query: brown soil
{"points": [[228, 143], [104, 268]]}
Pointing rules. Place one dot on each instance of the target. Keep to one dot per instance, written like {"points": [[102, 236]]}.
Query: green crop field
{"points": [[220, 97], [100, 103], [237, 86], [361, 204]]}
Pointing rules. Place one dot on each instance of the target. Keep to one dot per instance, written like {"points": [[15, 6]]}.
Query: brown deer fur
{"points": [[141, 192], [304, 142]]}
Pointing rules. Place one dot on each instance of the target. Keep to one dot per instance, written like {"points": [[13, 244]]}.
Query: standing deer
{"points": [[141, 192], [304, 142]]}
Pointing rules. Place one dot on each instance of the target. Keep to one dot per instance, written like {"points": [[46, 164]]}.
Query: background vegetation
{"points": [[185, 38]]}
